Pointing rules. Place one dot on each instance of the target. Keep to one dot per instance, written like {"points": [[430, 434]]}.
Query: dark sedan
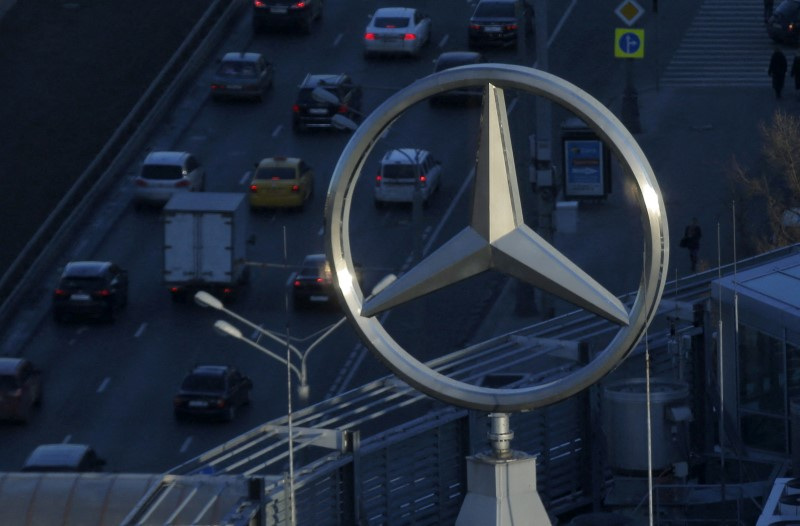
{"points": [[242, 75], [215, 391], [313, 283], [495, 23]]}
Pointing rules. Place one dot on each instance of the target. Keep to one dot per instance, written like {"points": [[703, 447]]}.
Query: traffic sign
{"points": [[628, 43], [629, 12]]}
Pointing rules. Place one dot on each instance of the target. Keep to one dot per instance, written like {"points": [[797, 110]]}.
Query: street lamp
{"points": [[224, 328]]}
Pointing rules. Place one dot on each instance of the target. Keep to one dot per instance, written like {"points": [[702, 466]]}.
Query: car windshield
{"points": [[161, 172], [314, 269], [495, 9], [276, 173], [82, 283], [399, 171], [8, 383], [237, 68], [391, 22], [203, 382]]}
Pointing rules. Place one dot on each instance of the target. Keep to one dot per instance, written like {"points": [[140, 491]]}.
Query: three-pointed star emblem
{"points": [[497, 237]]}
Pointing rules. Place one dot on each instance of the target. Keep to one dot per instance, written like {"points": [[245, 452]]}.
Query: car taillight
{"points": [[295, 188], [141, 182], [295, 108], [423, 180], [297, 283], [409, 36], [342, 108], [259, 3], [102, 293], [369, 36], [474, 26], [219, 402], [511, 27], [215, 87], [299, 5], [182, 183], [227, 291], [254, 188], [60, 292], [178, 401], [378, 180], [319, 280]]}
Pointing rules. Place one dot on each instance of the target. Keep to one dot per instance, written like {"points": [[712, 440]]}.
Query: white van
{"points": [[401, 170]]}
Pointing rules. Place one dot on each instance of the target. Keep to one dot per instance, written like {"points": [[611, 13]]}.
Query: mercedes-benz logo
{"points": [[497, 238]]}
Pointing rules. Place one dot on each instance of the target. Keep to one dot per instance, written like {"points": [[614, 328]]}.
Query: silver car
{"points": [[242, 75], [166, 173], [397, 30]]}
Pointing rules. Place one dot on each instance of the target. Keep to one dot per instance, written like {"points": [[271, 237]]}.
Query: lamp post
{"points": [[224, 328]]}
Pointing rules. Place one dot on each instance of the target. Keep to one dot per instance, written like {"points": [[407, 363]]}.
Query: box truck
{"points": [[205, 242]]}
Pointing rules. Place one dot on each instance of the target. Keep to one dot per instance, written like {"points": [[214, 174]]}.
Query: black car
{"points": [[94, 289], [495, 23], [286, 13], [313, 283], [784, 23], [343, 98], [453, 59], [215, 391]]}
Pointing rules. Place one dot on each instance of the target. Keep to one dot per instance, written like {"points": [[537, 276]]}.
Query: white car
{"points": [[166, 173], [404, 170], [397, 31]]}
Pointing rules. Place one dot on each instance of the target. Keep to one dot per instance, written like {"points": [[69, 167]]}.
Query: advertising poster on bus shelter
{"points": [[584, 169]]}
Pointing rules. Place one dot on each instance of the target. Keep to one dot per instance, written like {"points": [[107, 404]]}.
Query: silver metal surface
{"points": [[497, 236]]}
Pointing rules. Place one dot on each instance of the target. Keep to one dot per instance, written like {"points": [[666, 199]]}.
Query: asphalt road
{"points": [[110, 385], [69, 73]]}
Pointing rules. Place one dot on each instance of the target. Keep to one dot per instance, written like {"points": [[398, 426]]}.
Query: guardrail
{"points": [[62, 224]]}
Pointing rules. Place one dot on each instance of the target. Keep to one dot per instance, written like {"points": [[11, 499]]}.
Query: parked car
{"points": [[402, 172], [313, 283], [242, 75], [20, 388], [784, 24], [453, 59], [397, 31], [310, 112], [63, 457], [166, 173], [286, 13], [281, 182], [94, 289], [215, 391], [495, 23]]}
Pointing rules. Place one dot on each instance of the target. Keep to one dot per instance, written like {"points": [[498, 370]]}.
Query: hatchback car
{"points": [[397, 31], [311, 112], [215, 391], [453, 59], [404, 171], [286, 13], [166, 173], [72, 458], [784, 23], [281, 182], [313, 283], [95, 289], [20, 388], [494, 23], [242, 75]]}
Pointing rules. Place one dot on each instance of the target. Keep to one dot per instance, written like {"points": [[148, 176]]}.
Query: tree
{"points": [[776, 186]]}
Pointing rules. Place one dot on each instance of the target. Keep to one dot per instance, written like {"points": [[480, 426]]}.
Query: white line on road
{"points": [[444, 40], [104, 384], [277, 130], [66, 439], [185, 445], [245, 177], [140, 330], [338, 39]]}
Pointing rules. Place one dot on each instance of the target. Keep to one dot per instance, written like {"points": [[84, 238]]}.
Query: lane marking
{"points": [[444, 40], [246, 177], [277, 130], [66, 439], [140, 330], [185, 445], [104, 384], [338, 39]]}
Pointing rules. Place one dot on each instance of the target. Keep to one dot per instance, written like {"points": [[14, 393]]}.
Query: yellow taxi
{"points": [[281, 182]]}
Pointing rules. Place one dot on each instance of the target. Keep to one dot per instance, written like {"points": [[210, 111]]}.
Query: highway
{"points": [[111, 385]]}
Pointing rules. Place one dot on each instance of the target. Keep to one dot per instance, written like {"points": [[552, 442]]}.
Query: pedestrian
{"points": [[795, 73], [777, 70], [691, 241], [767, 10]]}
